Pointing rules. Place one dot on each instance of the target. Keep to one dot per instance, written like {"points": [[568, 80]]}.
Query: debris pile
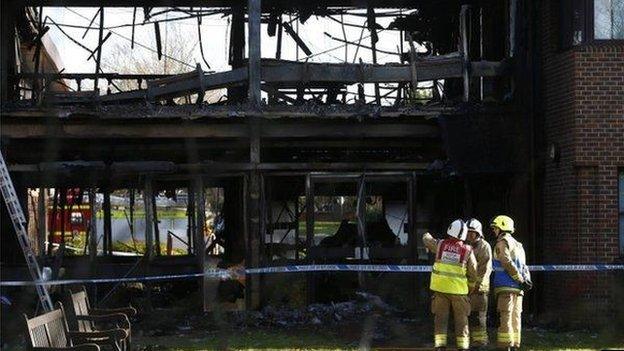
{"points": [[315, 314]]}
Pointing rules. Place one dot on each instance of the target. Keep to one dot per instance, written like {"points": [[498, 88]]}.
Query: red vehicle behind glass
{"points": [[72, 220]]}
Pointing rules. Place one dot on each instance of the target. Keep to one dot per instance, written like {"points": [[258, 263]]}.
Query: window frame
{"points": [[589, 23], [589, 38]]}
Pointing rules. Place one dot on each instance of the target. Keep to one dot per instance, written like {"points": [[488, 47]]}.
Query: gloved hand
{"points": [[526, 285]]}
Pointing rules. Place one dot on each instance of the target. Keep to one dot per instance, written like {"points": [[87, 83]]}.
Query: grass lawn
{"points": [[250, 340], [336, 339], [321, 228]]}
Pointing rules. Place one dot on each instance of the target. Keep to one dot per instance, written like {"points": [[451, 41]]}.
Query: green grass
{"points": [[321, 228], [328, 339], [250, 340], [162, 214], [577, 340]]}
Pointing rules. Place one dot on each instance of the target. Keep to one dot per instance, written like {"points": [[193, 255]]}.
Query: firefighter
{"points": [[481, 289], [455, 266], [511, 279]]}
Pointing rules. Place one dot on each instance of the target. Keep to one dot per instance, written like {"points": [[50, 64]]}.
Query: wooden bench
{"points": [[49, 332], [83, 318]]}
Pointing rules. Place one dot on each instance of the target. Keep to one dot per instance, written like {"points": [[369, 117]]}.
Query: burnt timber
{"points": [[273, 153]]}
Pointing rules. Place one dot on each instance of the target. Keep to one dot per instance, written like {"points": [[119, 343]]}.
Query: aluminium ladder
{"points": [[19, 223]]}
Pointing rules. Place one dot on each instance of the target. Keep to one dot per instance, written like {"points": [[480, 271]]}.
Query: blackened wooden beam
{"points": [[273, 71], [158, 40], [465, 50], [155, 224], [200, 242], [98, 60], [123, 129], [149, 218], [255, 217], [108, 247], [237, 49], [108, 35], [254, 54], [93, 239], [41, 221], [300, 43], [372, 23]]}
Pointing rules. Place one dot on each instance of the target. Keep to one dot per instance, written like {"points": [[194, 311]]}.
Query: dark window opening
{"points": [[573, 22]]}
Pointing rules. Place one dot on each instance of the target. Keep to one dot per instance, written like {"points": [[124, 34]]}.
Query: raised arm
{"points": [[431, 243]]}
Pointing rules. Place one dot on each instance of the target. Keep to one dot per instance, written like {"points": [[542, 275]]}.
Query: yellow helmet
{"points": [[504, 223]]}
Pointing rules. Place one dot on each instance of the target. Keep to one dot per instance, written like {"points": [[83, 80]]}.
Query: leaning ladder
{"points": [[19, 223]]}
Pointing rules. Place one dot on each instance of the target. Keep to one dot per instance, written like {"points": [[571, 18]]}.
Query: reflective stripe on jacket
{"points": [[449, 270]]}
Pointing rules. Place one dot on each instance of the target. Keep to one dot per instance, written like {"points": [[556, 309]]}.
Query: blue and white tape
{"points": [[217, 273], [226, 274], [576, 267]]}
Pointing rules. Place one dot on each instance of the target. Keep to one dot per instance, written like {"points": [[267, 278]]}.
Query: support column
{"points": [[93, 241], [92, 228], [412, 203], [310, 277], [254, 16], [361, 228], [254, 214], [199, 240], [42, 220], [156, 229], [463, 32], [412, 237], [149, 219], [148, 196], [108, 234], [190, 216]]}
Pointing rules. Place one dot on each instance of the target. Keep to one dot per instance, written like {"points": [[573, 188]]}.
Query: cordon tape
{"points": [[230, 273]]}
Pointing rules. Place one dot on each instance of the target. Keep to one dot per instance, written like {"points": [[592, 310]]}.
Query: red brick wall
{"points": [[583, 105]]}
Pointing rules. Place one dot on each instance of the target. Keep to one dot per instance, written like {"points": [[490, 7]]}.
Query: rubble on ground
{"points": [[315, 314]]}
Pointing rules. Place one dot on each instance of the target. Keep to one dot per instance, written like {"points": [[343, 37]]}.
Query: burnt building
{"points": [[488, 107]]}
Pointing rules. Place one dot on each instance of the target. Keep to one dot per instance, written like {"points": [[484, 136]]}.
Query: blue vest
{"points": [[502, 278]]}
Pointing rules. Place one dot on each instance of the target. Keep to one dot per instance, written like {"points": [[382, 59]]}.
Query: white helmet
{"points": [[458, 229], [474, 225]]}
